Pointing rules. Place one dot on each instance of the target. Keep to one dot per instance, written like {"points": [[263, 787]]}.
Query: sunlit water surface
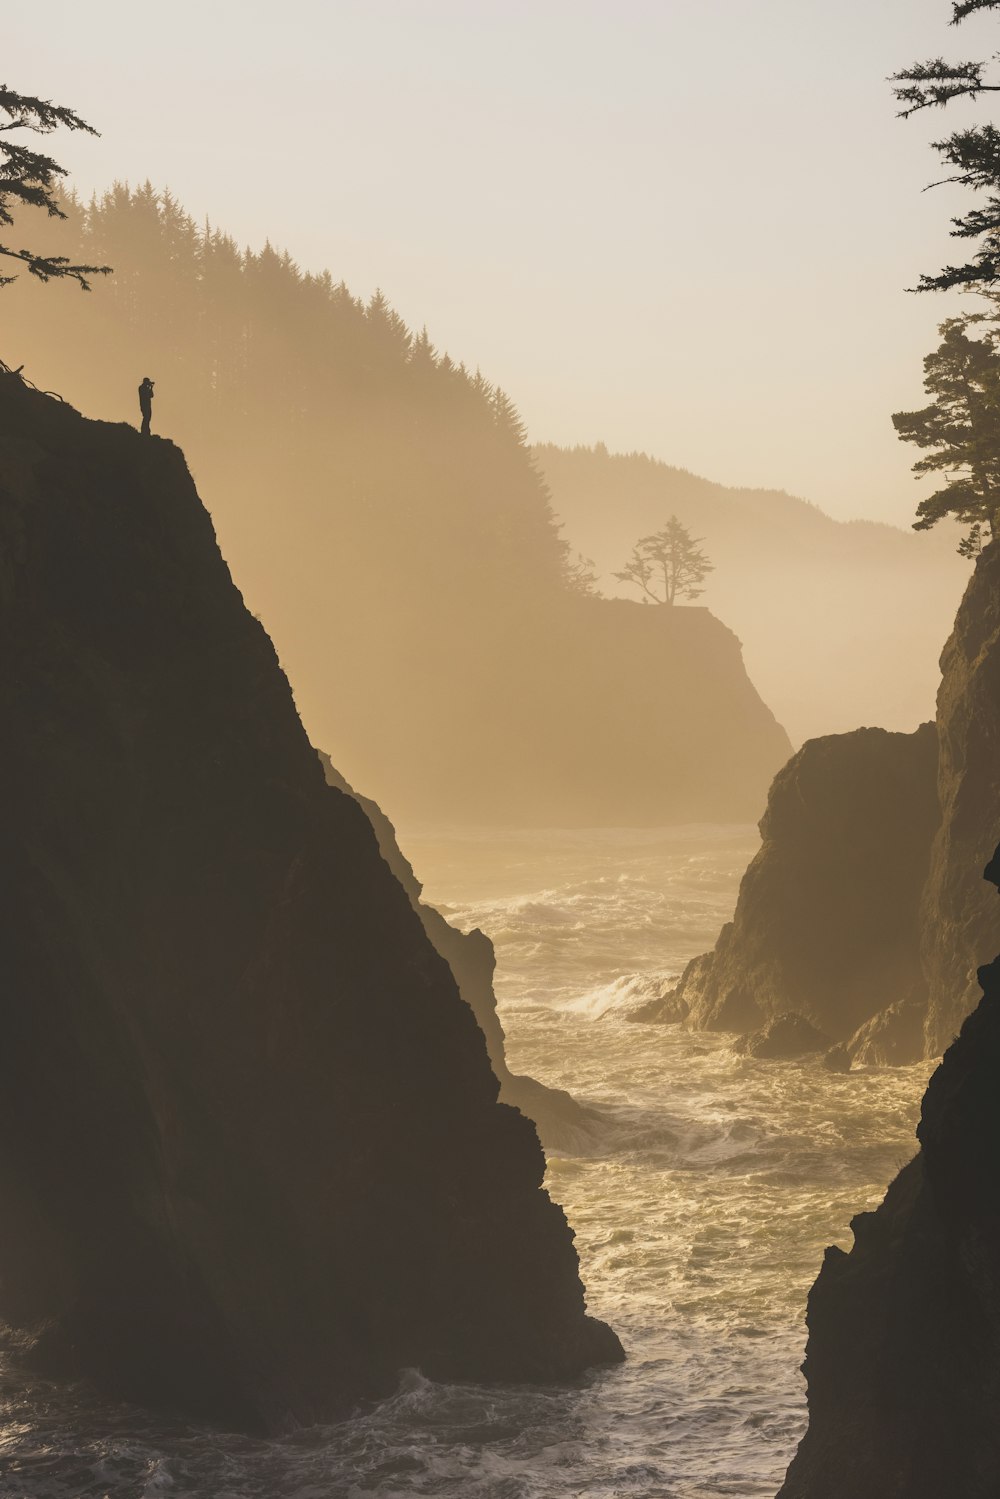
{"points": [[702, 1203]]}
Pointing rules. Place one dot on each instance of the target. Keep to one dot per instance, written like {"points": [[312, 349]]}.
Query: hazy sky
{"points": [[680, 226]]}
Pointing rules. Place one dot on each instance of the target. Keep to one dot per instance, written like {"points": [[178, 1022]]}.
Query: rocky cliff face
{"points": [[612, 714], [862, 911], [826, 922], [903, 1360], [251, 1156], [960, 928], [470, 956], [661, 725]]}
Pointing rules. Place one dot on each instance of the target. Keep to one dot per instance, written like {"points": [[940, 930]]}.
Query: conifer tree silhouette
{"points": [[667, 565], [960, 430], [29, 179], [973, 154]]}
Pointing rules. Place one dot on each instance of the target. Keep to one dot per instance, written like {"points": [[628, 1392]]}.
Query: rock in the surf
{"points": [[783, 1039], [826, 921]]}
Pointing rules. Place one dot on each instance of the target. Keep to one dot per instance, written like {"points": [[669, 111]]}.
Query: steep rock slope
{"points": [[251, 1157], [960, 926], [903, 1360], [472, 960], [826, 921]]}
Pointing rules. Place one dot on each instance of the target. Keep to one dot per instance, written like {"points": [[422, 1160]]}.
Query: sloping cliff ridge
{"points": [[472, 960], [903, 1359], [862, 911], [251, 1156]]}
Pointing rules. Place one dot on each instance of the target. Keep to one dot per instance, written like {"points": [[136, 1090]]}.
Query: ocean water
{"points": [[702, 1200]]}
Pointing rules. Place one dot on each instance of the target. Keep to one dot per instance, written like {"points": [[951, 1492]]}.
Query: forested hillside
{"points": [[382, 513], [841, 622]]}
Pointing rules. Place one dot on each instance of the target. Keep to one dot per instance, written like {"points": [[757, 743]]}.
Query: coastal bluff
{"points": [[252, 1161]]}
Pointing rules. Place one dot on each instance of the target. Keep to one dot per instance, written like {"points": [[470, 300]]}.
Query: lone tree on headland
{"points": [[960, 429], [667, 565], [30, 179]]}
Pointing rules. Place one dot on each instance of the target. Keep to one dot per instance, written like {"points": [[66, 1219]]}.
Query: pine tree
{"points": [[960, 430], [29, 179], [667, 565], [972, 155]]}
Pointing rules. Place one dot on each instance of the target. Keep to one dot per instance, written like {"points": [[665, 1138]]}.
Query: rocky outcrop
{"points": [[903, 1359], [826, 921], [561, 1121], [841, 621], [784, 1038], [960, 925], [251, 1156], [861, 911]]}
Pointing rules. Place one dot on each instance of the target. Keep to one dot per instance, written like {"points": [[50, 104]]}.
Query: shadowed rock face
{"points": [[960, 925], [251, 1157], [560, 1120], [903, 1360], [826, 922]]}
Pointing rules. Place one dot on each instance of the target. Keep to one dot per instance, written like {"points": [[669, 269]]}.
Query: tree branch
{"points": [[49, 267]]}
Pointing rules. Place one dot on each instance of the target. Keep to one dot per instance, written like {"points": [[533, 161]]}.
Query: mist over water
{"points": [[702, 1198]]}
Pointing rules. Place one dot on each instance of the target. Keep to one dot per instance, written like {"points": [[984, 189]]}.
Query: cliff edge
{"points": [[560, 1120], [252, 1161]]}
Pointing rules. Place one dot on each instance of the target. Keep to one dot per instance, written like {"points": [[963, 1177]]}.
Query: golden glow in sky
{"points": [[679, 227]]}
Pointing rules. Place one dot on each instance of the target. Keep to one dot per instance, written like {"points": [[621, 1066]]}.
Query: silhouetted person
{"points": [[146, 404]]}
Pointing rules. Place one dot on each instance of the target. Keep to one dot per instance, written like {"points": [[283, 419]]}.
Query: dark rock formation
{"points": [[251, 1156], [561, 1121], [861, 910], [903, 1360], [826, 921], [894, 1036], [783, 1039], [960, 928]]}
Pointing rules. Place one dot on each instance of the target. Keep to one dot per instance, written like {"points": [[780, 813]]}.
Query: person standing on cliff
{"points": [[146, 404]]}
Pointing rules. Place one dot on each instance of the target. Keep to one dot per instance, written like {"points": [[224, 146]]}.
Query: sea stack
{"points": [[826, 925]]}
